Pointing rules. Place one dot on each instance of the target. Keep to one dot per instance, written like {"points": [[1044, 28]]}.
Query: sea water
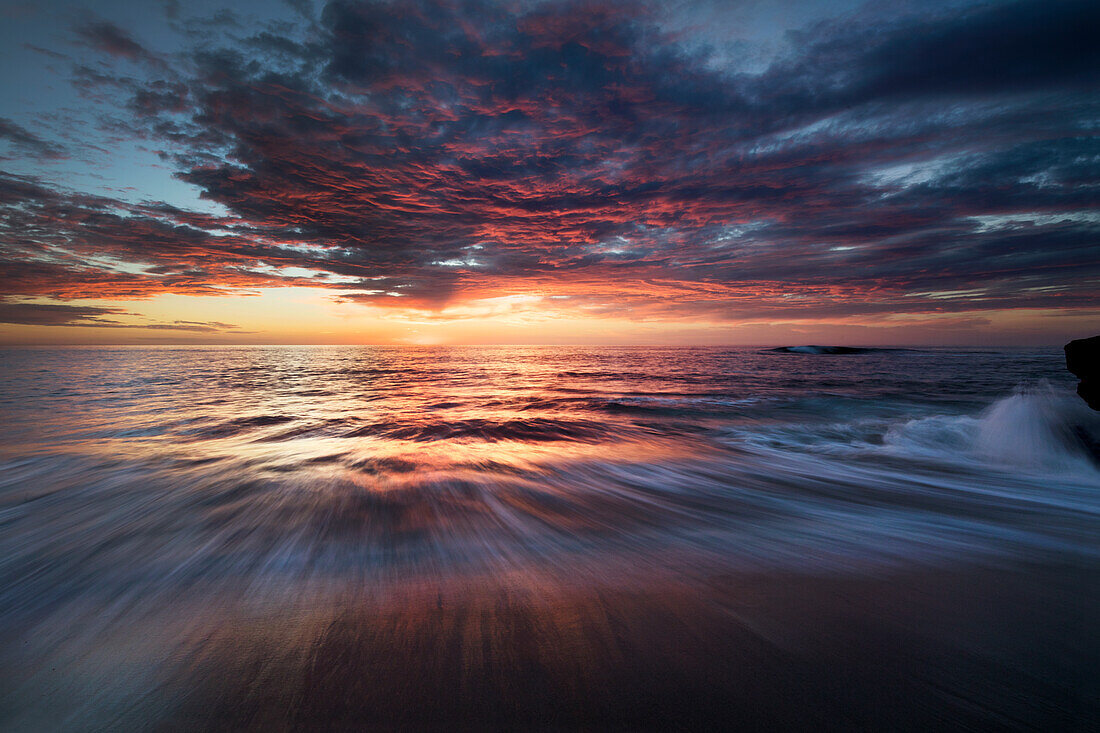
{"points": [[147, 495]]}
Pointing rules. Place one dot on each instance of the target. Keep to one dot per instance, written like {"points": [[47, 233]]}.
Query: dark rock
{"points": [[1083, 359]]}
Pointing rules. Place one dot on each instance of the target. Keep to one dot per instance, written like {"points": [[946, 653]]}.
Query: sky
{"points": [[464, 171]]}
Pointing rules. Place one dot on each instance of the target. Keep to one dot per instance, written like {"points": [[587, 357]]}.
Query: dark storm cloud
{"points": [[109, 38], [997, 47], [302, 7], [994, 48], [28, 141], [54, 243], [423, 153], [35, 314], [48, 314]]}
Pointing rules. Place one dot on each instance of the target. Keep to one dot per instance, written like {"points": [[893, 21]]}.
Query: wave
{"points": [[675, 405], [532, 430], [238, 426], [813, 349], [1034, 429], [1012, 480], [535, 429]]}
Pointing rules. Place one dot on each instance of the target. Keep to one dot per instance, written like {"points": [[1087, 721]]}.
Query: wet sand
{"points": [[918, 650]]}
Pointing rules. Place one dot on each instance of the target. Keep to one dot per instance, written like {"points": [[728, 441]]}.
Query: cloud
{"points": [[35, 314], [303, 8], [28, 141], [50, 314], [996, 47], [423, 154], [110, 39]]}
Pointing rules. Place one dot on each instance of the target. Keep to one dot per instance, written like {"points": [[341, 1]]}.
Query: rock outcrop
{"points": [[1083, 359]]}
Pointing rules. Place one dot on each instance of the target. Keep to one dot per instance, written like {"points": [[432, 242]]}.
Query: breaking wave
{"points": [[1034, 429]]}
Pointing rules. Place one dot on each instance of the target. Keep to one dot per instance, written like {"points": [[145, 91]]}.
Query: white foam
{"points": [[1034, 429]]}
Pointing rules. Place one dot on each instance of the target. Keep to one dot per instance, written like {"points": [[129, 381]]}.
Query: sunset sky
{"points": [[741, 172]]}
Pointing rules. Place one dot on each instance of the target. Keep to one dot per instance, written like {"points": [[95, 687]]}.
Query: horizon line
{"points": [[771, 345]]}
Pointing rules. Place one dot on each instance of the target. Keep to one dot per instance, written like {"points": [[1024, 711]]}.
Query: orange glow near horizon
{"points": [[315, 316]]}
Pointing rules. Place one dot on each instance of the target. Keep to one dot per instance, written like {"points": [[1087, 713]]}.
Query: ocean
{"points": [[328, 538]]}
